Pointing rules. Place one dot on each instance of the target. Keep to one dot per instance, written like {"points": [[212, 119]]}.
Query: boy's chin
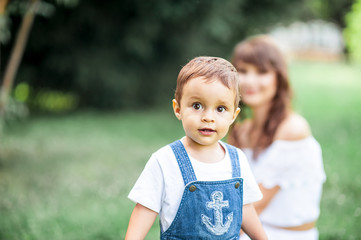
{"points": [[202, 142]]}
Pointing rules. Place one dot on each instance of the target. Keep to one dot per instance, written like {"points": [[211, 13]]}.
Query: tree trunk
{"points": [[3, 4], [16, 55]]}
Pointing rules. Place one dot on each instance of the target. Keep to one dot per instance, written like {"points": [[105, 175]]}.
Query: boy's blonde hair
{"points": [[212, 69]]}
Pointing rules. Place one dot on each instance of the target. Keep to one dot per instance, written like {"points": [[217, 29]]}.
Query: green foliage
{"points": [[15, 110], [126, 54], [330, 10], [45, 100], [19, 7], [4, 29], [352, 32], [68, 177], [21, 92], [54, 101]]}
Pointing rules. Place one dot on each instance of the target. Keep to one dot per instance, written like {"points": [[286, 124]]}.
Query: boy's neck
{"points": [[204, 153]]}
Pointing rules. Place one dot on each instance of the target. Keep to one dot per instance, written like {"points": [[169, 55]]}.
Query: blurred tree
{"points": [[16, 55], [331, 10], [126, 54], [4, 32], [30, 9]]}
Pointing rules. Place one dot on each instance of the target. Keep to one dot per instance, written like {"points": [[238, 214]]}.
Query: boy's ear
{"points": [[176, 109], [235, 114]]}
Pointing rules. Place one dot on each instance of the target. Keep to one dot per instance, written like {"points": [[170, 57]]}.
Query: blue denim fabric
{"points": [[208, 209]]}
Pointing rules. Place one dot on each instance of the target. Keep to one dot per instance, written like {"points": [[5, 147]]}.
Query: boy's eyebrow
{"points": [[194, 98], [221, 102], [226, 103]]}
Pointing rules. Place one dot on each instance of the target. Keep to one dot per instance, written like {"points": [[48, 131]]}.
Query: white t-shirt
{"points": [[160, 186], [297, 167]]}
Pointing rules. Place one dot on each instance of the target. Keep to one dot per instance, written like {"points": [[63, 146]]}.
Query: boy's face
{"points": [[206, 111]]}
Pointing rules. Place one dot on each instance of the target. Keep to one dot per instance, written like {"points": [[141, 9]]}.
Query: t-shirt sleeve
{"points": [[148, 189], [251, 191]]}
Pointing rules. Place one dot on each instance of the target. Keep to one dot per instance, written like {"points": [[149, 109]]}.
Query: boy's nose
{"points": [[207, 116]]}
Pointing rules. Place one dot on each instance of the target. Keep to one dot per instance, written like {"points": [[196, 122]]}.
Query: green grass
{"points": [[68, 177]]}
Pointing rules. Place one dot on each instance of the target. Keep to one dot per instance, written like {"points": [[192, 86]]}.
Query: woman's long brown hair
{"points": [[265, 55]]}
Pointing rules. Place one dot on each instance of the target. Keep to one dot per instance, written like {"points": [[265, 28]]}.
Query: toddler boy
{"points": [[199, 186]]}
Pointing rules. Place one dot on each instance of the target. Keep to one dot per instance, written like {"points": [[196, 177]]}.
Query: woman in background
{"points": [[285, 158]]}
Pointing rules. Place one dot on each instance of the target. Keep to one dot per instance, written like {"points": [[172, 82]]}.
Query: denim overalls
{"points": [[208, 209]]}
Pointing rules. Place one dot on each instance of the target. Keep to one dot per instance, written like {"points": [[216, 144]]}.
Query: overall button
{"points": [[192, 188], [237, 185]]}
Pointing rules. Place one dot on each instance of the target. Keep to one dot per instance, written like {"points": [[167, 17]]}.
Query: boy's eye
{"points": [[197, 106], [221, 109]]}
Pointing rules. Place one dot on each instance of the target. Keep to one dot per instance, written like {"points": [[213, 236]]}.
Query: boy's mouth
{"points": [[206, 131]]}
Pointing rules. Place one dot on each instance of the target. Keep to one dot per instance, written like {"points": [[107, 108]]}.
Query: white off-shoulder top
{"points": [[297, 167]]}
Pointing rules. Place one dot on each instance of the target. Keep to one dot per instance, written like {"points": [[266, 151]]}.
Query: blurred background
{"points": [[86, 89]]}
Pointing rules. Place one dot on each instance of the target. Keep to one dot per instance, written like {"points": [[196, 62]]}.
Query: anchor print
{"points": [[218, 228]]}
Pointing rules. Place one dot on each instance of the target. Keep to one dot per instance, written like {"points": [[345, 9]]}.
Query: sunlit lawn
{"points": [[67, 177]]}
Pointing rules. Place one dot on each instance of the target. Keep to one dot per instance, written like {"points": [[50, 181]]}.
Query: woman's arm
{"points": [[140, 222], [251, 224], [268, 195]]}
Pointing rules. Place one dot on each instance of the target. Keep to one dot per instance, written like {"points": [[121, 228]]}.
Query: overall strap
{"points": [[184, 162], [236, 169]]}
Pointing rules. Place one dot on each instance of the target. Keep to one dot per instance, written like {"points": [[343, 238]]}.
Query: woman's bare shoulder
{"points": [[293, 128]]}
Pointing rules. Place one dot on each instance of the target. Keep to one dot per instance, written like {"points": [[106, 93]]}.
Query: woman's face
{"points": [[258, 87]]}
